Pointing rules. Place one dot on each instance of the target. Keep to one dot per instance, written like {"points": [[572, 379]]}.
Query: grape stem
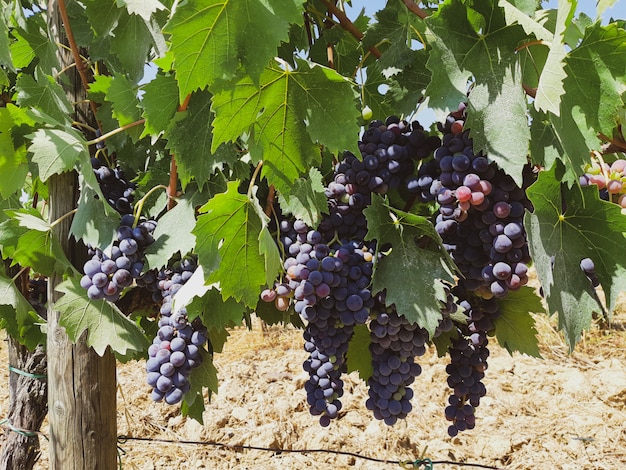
{"points": [[253, 179], [114, 131], [139, 206], [346, 24], [414, 8], [619, 144], [63, 217]]}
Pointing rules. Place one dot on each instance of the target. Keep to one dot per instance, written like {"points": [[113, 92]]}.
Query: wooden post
{"points": [[81, 385]]}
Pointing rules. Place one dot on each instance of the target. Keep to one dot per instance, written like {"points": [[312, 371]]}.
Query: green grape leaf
{"points": [[560, 237], [160, 102], [122, 95], [56, 151], [550, 88], [106, 325], [203, 376], [279, 114], [252, 31], [190, 139], [131, 30], [394, 28], [143, 8], [103, 16], [271, 255], [17, 316], [227, 242], [34, 244], [306, 200], [13, 163], [214, 311], [514, 14], [5, 51], [34, 31], [359, 356], [93, 223], [410, 273], [596, 76], [173, 233], [460, 52], [45, 94], [515, 327], [545, 147]]}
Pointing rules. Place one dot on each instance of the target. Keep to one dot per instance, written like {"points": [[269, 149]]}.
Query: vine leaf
{"points": [[515, 327], [203, 376], [173, 232], [45, 94], [143, 8], [278, 115], [106, 325], [56, 151], [410, 274], [13, 163], [359, 356], [17, 316], [252, 30], [559, 237], [307, 200], [160, 102], [459, 53], [27, 239], [550, 88], [190, 139], [596, 76], [228, 235]]}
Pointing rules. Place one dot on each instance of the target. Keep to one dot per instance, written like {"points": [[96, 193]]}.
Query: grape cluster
{"points": [[465, 373], [177, 347], [610, 179], [328, 286], [106, 276], [395, 343], [116, 189], [480, 217], [389, 151]]}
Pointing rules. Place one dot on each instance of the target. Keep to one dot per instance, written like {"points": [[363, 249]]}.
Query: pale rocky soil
{"points": [[560, 412]]}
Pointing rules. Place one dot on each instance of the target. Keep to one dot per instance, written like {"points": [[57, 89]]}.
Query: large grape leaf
{"points": [[394, 29], [307, 200], [410, 273], [550, 88], [17, 316], [44, 93], [132, 30], [515, 327], [13, 163], [34, 31], [359, 356], [203, 376], [93, 223], [190, 138], [278, 114], [26, 237], [173, 233], [559, 237], [160, 102], [5, 52], [213, 39], [596, 75], [56, 151], [514, 14], [497, 103], [228, 235], [143, 8], [106, 325], [102, 16]]}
